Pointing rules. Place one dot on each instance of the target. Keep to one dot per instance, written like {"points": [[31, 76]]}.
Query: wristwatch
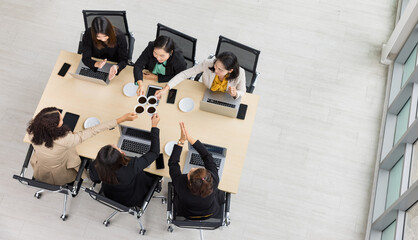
{"points": [[180, 143]]}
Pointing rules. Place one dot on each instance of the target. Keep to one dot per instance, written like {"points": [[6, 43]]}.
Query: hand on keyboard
{"points": [[100, 64], [232, 91], [113, 71]]}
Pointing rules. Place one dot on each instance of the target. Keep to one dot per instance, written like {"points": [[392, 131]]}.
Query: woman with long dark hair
{"points": [[123, 179], [103, 40], [197, 194], [160, 61], [222, 74], [55, 159]]}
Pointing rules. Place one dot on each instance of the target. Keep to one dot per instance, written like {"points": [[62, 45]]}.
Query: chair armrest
{"points": [[80, 43], [227, 220], [27, 159], [227, 202], [170, 197], [170, 203], [131, 48], [78, 180]]}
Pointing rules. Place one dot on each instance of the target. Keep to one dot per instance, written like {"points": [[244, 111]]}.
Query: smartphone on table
{"points": [[172, 96], [160, 161], [64, 69]]}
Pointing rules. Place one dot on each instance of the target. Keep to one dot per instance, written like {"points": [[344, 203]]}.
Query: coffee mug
{"points": [[151, 110], [152, 100], [142, 99], [139, 109]]}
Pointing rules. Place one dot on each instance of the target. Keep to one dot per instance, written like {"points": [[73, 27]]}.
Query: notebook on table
{"points": [[220, 103], [193, 159], [134, 142], [101, 76]]}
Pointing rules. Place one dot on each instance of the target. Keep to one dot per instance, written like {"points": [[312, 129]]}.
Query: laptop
{"points": [[134, 142], [193, 159], [220, 103], [101, 76]]}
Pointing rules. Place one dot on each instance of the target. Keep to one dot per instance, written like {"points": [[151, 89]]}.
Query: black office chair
{"points": [[185, 42], [219, 220], [247, 58], [135, 211], [65, 189], [118, 19]]}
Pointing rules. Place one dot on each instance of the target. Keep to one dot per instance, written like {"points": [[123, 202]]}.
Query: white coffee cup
{"points": [[152, 100], [139, 109], [151, 109], [142, 99]]}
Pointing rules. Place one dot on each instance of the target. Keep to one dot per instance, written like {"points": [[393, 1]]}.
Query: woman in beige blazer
{"points": [[222, 73], [55, 159]]}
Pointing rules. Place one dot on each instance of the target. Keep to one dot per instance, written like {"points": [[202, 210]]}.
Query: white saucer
{"points": [[169, 147], [186, 104], [130, 89], [91, 122]]}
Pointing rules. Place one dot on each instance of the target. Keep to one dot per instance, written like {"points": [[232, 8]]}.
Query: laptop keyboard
{"points": [[197, 160], [135, 147], [221, 103], [90, 73]]}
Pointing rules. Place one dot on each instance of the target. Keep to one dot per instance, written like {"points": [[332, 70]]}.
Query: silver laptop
{"points": [[193, 159], [101, 76], [134, 142], [220, 103]]}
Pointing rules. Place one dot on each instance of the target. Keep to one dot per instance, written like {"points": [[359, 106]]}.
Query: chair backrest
{"points": [[120, 207], [107, 201], [117, 18], [247, 58], [185, 42], [65, 189], [211, 223], [41, 185]]}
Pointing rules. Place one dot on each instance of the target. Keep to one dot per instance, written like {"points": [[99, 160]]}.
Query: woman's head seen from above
{"points": [[109, 159], [163, 48], [200, 182], [47, 126], [226, 64], [103, 32]]}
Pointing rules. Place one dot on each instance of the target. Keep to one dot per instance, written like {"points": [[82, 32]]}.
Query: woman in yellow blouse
{"points": [[221, 74]]}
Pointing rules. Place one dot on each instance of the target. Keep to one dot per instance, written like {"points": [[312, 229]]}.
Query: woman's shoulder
{"points": [[119, 32], [178, 53], [209, 62]]}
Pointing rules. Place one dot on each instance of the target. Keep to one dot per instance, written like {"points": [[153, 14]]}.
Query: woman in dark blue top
{"points": [[196, 193], [123, 179]]}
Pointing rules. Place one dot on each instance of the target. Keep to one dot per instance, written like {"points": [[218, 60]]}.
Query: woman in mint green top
{"points": [[161, 60]]}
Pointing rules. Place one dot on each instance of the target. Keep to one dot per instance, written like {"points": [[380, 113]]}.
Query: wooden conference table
{"points": [[108, 102]]}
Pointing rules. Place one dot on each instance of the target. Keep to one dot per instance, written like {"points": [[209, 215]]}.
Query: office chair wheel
{"points": [[142, 231], [106, 223], [64, 217], [38, 195], [163, 200], [170, 229]]}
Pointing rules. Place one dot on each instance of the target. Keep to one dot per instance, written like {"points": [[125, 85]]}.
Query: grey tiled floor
{"points": [[308, 172]]}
